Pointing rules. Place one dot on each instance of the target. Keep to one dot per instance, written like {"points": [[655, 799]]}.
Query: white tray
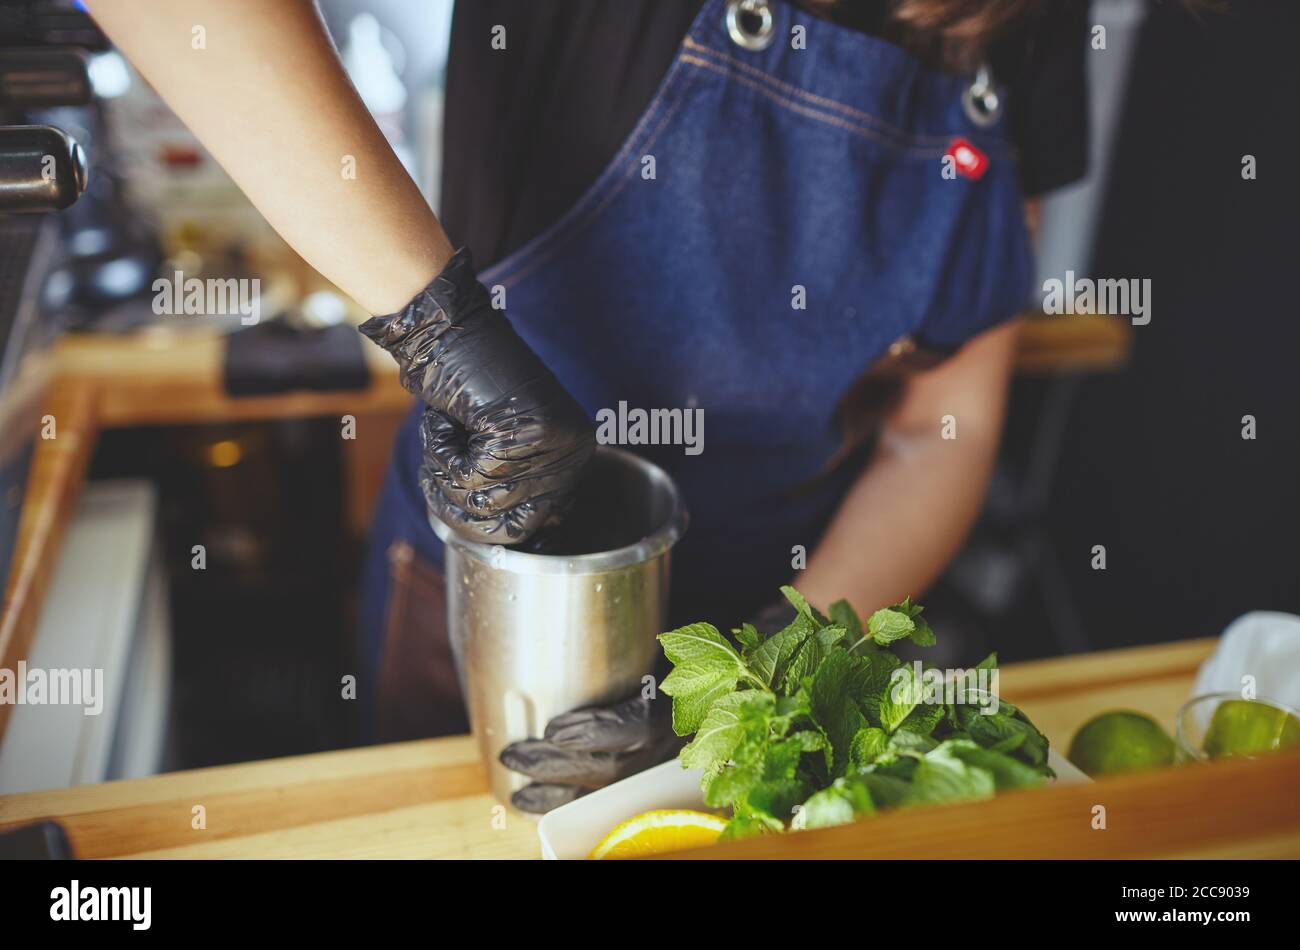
{"points": [[572, 830]]}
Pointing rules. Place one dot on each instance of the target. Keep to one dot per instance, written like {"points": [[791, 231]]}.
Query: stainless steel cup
{"points": [[535, 635]]}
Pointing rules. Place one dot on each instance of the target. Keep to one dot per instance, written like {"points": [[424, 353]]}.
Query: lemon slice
{"points": [[655, 832]]}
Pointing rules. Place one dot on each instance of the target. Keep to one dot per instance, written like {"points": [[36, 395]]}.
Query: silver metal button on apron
{"points": [[750, 24], [981, 99]]}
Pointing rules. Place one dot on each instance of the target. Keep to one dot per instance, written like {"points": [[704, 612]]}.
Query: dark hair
{"points": [[949, 34], [960, 19], [956, 35]]}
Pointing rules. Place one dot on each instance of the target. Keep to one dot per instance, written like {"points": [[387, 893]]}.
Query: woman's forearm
{"points": [[262, 88], [909, 512]]}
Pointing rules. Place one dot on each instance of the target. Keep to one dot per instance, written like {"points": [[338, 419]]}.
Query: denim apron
{"points": [[778, 222]]}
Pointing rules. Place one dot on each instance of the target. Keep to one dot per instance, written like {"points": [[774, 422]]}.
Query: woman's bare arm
{"points": [[909, 512], [268, 97]]}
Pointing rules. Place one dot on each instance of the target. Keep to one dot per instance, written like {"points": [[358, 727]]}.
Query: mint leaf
{"points": [[797, 600], [794, 705], [801, 606], [843, 614], [766, 780], [693, 695], [706, 667], [725, 727], [815, 649], [901, 696], [833, 707], [831, 636], [747, 636], [776, 799], [769, 661], [1010, 710], [781, 761], [905, 740], [924, 719], [811, 740], [814, 740], [749, 826], [700, 645], [804, 664], [901, 620], [843, 802], [870, 679], [943, 777], [990, 662], [746, 762], [901, 766], [886, 790], [922, 636], [732, 782], [889, 624], [998, 732], [755, 762], [1006, 771], [1003, 733], [868, 743]]}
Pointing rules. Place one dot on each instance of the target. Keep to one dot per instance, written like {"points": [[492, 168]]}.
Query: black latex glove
{"points": [[503, 441], [582, 750], [586, 749]]}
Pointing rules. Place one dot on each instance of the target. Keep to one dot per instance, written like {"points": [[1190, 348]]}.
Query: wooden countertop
{"points": [[163, 377], [429, 799]]}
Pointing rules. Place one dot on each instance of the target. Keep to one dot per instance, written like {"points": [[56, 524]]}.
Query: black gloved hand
{"points": [[503, 441], [582, 750], [586, 749]]}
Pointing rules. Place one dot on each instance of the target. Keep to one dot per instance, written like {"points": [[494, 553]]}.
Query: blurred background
{"points": [[194, 513]]}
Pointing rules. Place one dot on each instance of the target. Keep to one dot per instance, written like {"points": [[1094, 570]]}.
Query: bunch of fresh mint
{"points": [[820, 723]]}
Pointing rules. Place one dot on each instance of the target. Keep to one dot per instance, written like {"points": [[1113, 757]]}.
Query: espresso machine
{"points": [[44, 53]]}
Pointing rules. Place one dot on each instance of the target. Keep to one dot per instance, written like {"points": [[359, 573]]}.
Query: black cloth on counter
{"points": [[275, 357], [529, 127]]}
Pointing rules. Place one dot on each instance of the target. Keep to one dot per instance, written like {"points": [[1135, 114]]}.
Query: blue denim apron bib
{"points": [[755, 172]]}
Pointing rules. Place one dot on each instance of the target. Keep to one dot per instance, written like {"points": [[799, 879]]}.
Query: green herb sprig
{"points": [[821, 723]]}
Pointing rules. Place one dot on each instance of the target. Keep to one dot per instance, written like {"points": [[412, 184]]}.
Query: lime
{"points": [[1121, 742], [1245, 727]]}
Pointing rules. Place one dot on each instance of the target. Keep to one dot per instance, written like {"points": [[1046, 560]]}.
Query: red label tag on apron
{"points": [[969, 160]]}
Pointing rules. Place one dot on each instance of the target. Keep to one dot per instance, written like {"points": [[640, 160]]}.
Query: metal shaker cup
{"points": [[538, 634]]}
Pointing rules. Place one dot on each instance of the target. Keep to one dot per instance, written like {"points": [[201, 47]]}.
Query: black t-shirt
{"points": [[530, 126]]}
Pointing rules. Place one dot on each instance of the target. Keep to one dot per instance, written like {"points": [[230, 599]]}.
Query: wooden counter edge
{"points": [[1227, 808], [1072, 343], [58, 470], [177, 379], [1054, 677]]}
